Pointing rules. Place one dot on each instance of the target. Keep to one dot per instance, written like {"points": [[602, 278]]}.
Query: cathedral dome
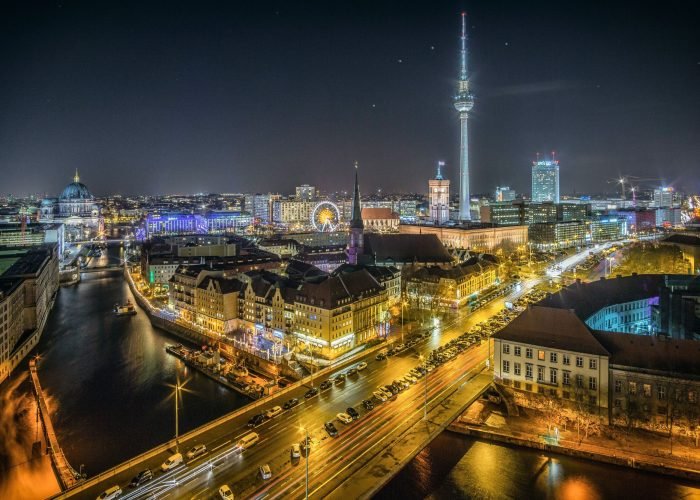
{"points": [[76, 190]]}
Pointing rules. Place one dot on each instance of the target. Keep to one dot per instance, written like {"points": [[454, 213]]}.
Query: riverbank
{"points": [[632, 448]]}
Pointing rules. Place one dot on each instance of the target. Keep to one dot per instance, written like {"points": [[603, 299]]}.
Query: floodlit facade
{"points": [[545, 181], [439, 198]]}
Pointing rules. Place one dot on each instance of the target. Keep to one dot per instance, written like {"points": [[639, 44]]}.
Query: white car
{"points": [[273, 412], [410, 379], [361, 366], [295, 452], [265, 472], [113, 492], [379, 395], [344, 417], [225, 492]]}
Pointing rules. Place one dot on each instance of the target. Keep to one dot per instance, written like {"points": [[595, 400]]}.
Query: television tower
{"points": [[464, 102]]}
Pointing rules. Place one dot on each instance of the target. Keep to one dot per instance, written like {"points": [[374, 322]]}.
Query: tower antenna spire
{"points": [[463, 53]]}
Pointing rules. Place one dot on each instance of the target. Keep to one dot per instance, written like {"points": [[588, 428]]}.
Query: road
{"points": [[201, 479]]}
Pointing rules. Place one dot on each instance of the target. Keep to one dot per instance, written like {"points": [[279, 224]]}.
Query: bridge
{"points": [[98, 269], [335, 463], [67, 476]]}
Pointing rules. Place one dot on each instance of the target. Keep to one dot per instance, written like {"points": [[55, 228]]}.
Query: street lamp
{"points": [[404, 303], [308, 451], [177, 417], [425, 405]]}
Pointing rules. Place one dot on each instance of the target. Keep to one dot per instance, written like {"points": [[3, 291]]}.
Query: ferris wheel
{"points": [[325, 217]]}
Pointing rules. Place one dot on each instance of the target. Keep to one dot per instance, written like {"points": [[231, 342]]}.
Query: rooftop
{"points": [[30, 263], [652, 353], [552, 328], [378, 213], [406, 248]]}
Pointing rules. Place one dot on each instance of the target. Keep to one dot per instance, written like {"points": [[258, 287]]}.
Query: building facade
{"points": [[545, 181], [439, 197], [474, 238]]}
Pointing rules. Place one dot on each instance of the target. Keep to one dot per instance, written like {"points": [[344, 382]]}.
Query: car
{"points": [[326, 384], [340, 377], [256, 420], [172, 462], [380, 395], [398, 386], [361, 366], [196, 451], [109, 494], [311, 393], [380, 357], [368, 404], [390, 389], [352, 412], [295, 451], [265, 472], [386, 392], [142, 477], [400, 347], [273, 412], [344, 417], [330, 429], [225, 492], [290, 404], [352, 371]]}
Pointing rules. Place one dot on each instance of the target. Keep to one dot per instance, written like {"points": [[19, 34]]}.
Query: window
{"points": [[516, 368], [540, 390], [646, 390], [540, 373], [517, 350], [661, 394], [662, 410], [528, 353], [593, 364], [552, 357], [632, 388], [592, 383], [553, 375], [692, 397], [506, 366], [618, 386], [566, 359], [567, 378], [618, 403], [516, 384], [540, 355], [506, 348], [528, 370], [579, 362], [579, 381], [528, 387], [566, 395], [593, 400]]}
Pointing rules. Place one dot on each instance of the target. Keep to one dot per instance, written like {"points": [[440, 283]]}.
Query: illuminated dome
{"points": [[76, 190]]}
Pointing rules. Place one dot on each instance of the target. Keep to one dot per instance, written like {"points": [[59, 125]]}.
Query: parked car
{"points": [[311, 393], [330, 429], [290, 404], [352, 412], [325, 385], [344, 417], [352, 371], [109, 494], [225, 492], [265, 472], [368, 404], [256, 420], [273, 412], [295, 452], [362, 366], [196, 451], [380, 357], [142, 477], [380, 395]]}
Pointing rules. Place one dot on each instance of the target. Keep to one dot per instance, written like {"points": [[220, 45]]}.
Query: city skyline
{"points": [[208, 113]]}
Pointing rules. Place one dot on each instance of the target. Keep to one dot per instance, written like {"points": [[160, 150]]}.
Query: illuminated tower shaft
{"points": [[464, 102]]}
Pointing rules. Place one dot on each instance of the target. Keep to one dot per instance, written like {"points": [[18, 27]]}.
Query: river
{"points": [[109, 384]]}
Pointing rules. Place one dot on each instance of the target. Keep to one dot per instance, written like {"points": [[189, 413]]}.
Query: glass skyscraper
{"points": [[545, 181]]}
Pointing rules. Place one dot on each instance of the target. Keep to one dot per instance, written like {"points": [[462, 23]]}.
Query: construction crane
{"points": [[628, 180]]}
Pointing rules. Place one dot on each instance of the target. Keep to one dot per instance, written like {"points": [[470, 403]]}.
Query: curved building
{"points": [[75, 207]]}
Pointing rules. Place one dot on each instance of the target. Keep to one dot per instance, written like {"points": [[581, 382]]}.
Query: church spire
{"points": [[356, 221], [76, 177], [356, 240]]}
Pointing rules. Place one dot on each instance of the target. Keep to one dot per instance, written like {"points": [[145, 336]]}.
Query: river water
{"points": [[109, 383]]}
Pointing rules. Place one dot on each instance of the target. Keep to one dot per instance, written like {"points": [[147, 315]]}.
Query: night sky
{"points": [[148, 97]]}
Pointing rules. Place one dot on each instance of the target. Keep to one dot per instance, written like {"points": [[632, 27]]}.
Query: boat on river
{"points": [[127, 309]]}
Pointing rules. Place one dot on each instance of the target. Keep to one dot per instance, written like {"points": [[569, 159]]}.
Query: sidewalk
{"points": [[633, 448]]}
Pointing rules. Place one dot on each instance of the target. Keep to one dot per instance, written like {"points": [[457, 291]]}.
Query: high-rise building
{"points": [[663, 197], [464, 102], [504, 193], [439, 195], [306, 192], [545, 181]]}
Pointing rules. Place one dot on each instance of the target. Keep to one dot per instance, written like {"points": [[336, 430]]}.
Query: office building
{"points": [[306, 192], [545, 181], [504, 193]]}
